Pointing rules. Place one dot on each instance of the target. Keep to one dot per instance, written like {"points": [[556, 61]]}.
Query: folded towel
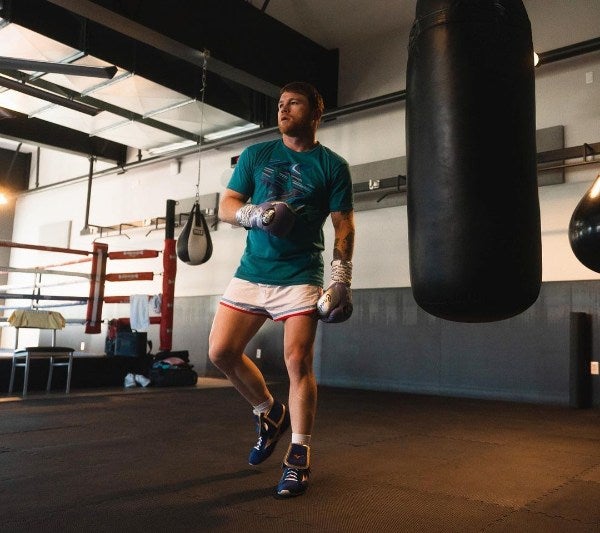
{"points": [[33, 318], [139, 312]]}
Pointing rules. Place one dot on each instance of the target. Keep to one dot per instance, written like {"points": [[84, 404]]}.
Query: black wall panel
{"points": [[391, 344]]}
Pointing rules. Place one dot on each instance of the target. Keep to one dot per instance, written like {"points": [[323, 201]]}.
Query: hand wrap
{"points": [[335, 305], [276, 218]]}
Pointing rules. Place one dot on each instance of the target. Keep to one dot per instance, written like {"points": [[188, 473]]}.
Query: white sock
{"points": [[299, 438], [263, 408]]}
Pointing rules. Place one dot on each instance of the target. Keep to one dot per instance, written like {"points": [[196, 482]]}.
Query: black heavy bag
{"points": [[194, 245], [584, 228], [473, 211]]}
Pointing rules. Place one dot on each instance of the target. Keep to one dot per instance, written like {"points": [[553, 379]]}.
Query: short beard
{"points": [[298, 130]]}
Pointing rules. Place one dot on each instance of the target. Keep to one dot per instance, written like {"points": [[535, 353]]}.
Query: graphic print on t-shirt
{"points": [[283, 181]]}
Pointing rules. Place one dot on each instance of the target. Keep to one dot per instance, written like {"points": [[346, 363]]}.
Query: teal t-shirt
{"points": [[313, 183]]}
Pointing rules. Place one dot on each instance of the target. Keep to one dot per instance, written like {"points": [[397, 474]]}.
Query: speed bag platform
{"points": [[472, 199]]}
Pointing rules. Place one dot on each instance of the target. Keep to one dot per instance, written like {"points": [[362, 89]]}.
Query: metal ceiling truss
{"points": [[101, 105], [164, 43]]}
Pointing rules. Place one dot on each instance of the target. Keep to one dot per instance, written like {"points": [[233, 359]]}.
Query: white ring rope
{"points": [[5, 269], [39, 285], [49, 306]]}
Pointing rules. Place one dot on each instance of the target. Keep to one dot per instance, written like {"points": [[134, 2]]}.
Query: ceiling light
{"points": [[48, 96], [210, 137], [104, 84], [170, 107], [113, 126], [172, 147], [230, 131]]}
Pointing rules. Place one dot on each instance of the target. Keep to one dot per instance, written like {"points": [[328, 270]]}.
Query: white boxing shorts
{"points": [[274, 301]]}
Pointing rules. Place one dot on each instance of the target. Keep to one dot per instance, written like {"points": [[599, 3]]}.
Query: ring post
{"points": [[169, 273], [93, 317]]}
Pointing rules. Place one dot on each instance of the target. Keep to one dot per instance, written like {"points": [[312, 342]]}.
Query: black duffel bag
{"points": [[131, 343], [164, 374]]}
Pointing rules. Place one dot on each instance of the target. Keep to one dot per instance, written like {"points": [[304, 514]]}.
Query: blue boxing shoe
{"points": [[270, 427], [294, 480]]}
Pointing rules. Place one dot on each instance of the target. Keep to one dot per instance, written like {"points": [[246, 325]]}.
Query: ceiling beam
{"points": [[96, 13], [73, 97], [18, 126], [48, 96], [14, 63]]}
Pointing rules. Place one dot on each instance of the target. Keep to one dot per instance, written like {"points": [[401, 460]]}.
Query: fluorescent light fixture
{"points": [[110, 127], [210, 137], [169, 108], [102, 85], [172, 147], [230, 132]]}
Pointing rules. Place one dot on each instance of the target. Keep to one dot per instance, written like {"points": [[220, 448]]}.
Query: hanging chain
{"points": [[202, 90]]}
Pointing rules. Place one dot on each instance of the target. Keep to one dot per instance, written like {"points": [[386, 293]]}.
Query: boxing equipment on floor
{"points": [[473, 209]]}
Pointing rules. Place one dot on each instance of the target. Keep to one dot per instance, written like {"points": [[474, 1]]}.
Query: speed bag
{"points": [[194, 245], [584, 228], [472, 200]]}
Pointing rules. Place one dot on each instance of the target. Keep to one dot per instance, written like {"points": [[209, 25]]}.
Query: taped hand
{"points": [[276, 218]]}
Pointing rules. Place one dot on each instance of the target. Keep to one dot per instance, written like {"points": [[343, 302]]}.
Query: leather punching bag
{"points": [[473, 209], [194, 245], [584, 228]]}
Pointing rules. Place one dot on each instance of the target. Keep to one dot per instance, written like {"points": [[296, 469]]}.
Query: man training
{"points": [[294, 184]]}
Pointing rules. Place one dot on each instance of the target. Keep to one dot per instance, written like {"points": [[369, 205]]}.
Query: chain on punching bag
{"points": [[194, 245], [473, 210]]}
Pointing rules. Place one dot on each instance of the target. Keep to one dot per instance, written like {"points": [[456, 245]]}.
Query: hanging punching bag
{"points": [[584, 228], [194, 245], [473, 210]]}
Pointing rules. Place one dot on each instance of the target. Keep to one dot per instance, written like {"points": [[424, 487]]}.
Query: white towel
{"points": [[139, 314]]}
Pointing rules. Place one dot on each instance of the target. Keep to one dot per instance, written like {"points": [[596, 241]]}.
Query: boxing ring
{"points": [[96, 278]]}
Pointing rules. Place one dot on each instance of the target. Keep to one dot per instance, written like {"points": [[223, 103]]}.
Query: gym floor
{"points": [[175, 460]]}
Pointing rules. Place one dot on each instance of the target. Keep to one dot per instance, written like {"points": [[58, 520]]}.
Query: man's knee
{"points": [[299, 362], [220, 356]]}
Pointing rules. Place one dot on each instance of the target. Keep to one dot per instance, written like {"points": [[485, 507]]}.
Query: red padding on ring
{"points": [[168, 295], [134, 254], [127, 320], [130, 276]]}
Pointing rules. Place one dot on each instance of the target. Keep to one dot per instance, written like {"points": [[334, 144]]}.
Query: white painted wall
{"points": [[369, 68]]}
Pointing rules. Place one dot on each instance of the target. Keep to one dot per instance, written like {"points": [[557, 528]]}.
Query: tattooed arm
{"points": [[343, 224]]}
